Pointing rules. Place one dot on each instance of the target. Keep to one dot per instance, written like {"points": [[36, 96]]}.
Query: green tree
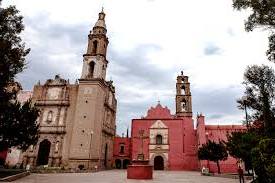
{"points": [[12, 52], [256, 145], [267, 154], [240, 144], [213, 151], [259, 166], [262, 16], [259, 84], [18, 127]]}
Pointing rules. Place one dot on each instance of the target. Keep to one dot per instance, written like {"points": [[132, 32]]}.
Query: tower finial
{"points": [[102, 9]]}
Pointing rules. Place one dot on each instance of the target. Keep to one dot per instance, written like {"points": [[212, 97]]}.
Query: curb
{"points": [[15, 177]]}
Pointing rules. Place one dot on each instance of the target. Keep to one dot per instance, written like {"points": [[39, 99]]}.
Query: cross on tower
{"points": [[141, 137]]}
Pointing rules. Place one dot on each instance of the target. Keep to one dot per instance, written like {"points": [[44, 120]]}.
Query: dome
{"points": [[101, 20]]}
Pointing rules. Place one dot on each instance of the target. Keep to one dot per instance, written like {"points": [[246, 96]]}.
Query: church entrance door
{"points": [[158, 163], [43, 152], [118, 164]]}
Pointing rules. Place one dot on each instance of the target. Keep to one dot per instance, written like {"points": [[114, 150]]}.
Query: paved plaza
{"points": [[116, 176]]}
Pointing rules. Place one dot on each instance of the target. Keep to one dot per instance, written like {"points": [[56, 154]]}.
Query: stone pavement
{"points": [[117, 176]]}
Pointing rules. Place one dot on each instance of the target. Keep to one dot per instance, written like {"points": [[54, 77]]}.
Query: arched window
{"points": [[94, 48], [122, 148], [183, 104], [91, 69], [158, 139], [182, 89]]}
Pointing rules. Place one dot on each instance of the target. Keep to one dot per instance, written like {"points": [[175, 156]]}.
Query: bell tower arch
{"points": [[183, 97], [94, 60]]}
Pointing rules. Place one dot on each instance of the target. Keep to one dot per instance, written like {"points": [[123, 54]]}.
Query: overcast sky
{"points": [[151, 41]]}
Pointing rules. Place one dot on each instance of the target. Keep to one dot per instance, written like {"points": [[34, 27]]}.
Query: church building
{"points": [[77, 121], [171, 141]]}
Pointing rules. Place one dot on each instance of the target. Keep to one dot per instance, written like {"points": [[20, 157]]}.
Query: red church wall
{"points": [[122, 140], [159, 113], [216, 133], [219, 132], [176, 148], [190, 145], [117, 154]]}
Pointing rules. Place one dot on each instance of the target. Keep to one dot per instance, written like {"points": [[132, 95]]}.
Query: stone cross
{"points": [[141, 137]]}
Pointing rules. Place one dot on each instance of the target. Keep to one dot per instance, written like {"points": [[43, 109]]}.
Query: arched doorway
{"points": [[94, 50], [91, 69], [125, 163], [118, 164], [43, 152], [158, 163]]}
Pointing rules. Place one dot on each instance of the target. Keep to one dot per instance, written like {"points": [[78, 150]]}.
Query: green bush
{"points": [[81, 167]]}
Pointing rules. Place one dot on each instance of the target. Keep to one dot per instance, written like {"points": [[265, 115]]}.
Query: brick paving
{"points": [[117, 176]]}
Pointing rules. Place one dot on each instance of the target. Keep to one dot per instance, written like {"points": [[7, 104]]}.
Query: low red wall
{"points": [[225, 168], [139, 172]]}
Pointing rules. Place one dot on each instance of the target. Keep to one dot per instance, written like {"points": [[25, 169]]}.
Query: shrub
{"points": [[81, 167]]}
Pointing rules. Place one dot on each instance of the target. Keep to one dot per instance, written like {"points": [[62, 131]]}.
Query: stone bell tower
{"points": [[95, 114], [183, 97], [94, 61]]}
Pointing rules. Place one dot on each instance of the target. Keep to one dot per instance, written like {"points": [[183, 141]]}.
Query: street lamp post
{"points": [[91, 133]]}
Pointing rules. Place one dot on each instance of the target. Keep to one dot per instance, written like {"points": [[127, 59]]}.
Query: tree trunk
{"points": [[218, 165]]}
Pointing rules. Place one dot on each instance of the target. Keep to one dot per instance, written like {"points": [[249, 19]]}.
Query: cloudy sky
{"points": [[151, 41]]}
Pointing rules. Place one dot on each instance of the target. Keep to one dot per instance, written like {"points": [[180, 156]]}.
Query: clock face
{"points": [[54, 93]]}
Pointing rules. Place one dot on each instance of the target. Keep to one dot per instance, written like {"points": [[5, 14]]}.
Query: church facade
{"points": [[171, 142], [77, 121]]}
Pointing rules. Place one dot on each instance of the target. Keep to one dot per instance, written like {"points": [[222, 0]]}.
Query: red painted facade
{"points": [[122, 152], [183, 140], [182, 153]]}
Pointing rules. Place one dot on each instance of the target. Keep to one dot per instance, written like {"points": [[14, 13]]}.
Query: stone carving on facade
{"points": [[56, 147], [56, 81], [159, 142]]}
